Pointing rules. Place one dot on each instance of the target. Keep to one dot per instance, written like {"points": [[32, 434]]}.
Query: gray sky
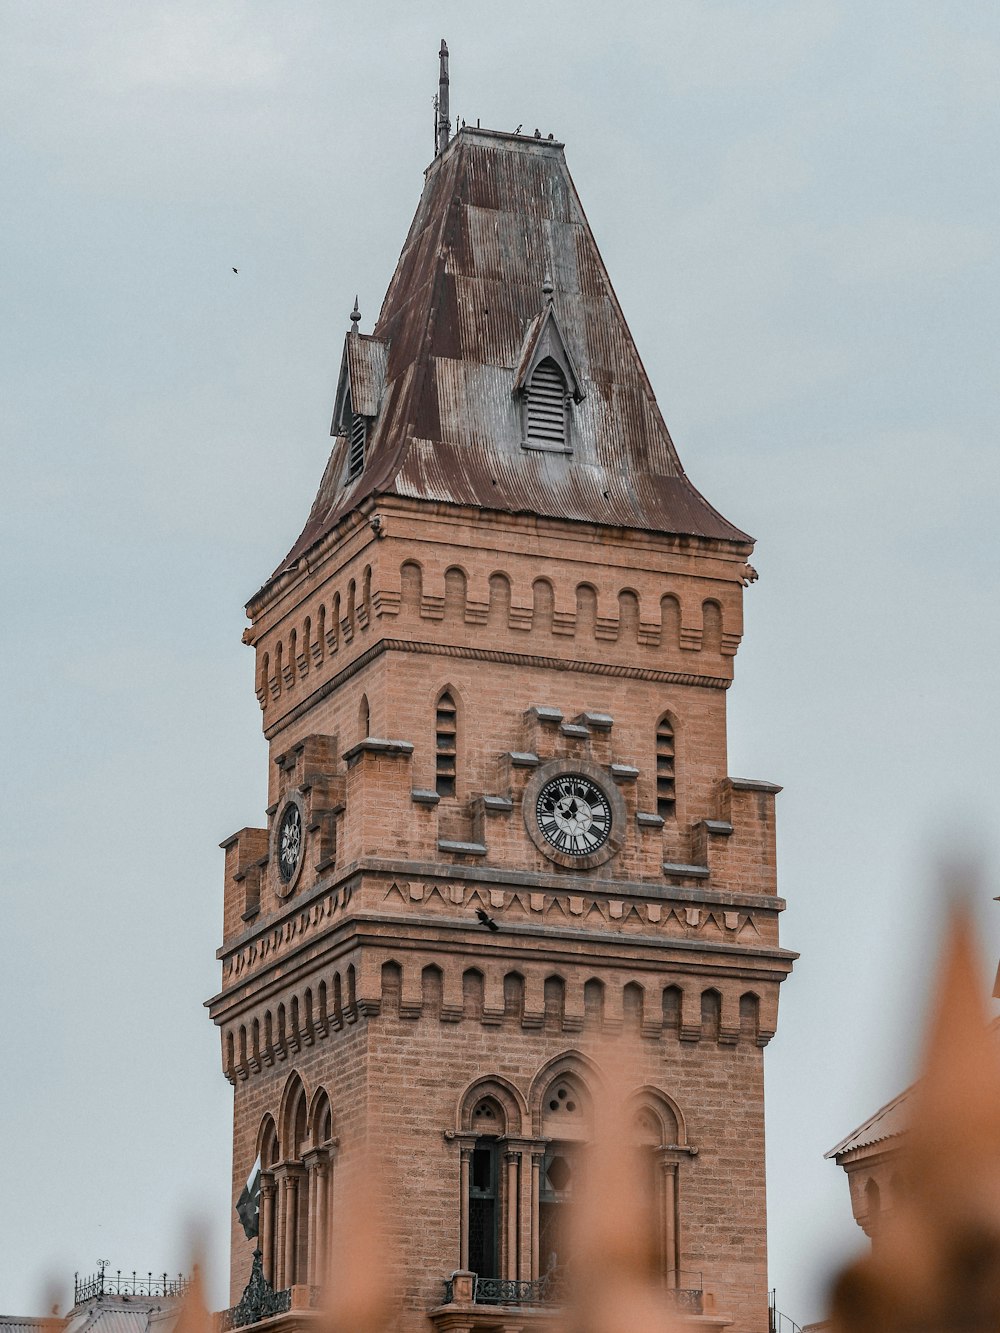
{"points": [[797, 202]]}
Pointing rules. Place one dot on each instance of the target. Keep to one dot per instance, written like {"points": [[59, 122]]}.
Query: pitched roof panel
{"points": [[498, 214]]}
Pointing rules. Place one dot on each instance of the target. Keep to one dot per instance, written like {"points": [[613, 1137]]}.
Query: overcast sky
{"points": [[797, 203]]}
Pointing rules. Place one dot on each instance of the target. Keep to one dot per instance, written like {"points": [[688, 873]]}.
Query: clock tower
{"points": [[492, 673]]}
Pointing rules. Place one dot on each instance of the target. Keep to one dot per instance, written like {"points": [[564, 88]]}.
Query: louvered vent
{"points": [[546, 397], [356, 457], [666, 793]]}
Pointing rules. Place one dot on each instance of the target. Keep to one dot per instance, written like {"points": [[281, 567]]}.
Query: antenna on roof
{"points": [[442, 127]]}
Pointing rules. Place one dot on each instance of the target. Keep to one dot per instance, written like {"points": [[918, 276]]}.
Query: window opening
{"points": [[446, 744], [559, 1173], [666, 793], [358, 440], [546, 405], [484, 1232]]}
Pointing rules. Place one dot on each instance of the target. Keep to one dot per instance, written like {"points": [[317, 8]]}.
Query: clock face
{"points": [[289, 841], [573, 814]]}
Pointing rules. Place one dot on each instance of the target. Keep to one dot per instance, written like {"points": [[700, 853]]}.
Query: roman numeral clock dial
{"points": [[573, 815]]}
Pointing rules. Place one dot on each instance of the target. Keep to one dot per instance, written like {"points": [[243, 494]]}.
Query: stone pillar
{"points": [[513, 1160], [267, 1193], [290, 1210], [463, 1240], [671, 1251], [314, 1163], [536, 1180], [321, 1265]]}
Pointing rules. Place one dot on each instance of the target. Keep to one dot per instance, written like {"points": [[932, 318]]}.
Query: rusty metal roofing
{"points": [[498, 215], [887, 1123]]}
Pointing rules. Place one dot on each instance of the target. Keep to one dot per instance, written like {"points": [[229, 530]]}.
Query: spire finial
{"points": [[355, 316], [442, 126], [547, 288]]}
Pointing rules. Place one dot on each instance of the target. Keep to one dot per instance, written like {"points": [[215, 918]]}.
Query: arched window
{"points": [[566, 1124], [484, 1190], [446, 745], [545, 406], [666, 793], [364, 717]]}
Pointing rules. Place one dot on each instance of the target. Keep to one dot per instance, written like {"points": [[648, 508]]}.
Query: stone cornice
{"points": [[488, 655]]}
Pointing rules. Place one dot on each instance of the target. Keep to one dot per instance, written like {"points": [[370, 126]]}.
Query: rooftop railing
{"points": [[116, 1282]]}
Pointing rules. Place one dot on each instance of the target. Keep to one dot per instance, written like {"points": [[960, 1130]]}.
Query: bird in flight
{"points": [[236, 270], [486, 920]]}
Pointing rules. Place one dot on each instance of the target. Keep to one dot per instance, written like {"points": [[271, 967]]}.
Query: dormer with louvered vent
{"points": [[359, 395], [547, 382]]}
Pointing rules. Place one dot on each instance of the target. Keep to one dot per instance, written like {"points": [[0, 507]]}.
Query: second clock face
{"points": [[573, 814], [289, 842]]}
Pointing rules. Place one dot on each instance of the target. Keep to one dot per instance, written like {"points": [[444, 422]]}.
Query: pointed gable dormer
{"points": [[546, 382], [359, 394]]}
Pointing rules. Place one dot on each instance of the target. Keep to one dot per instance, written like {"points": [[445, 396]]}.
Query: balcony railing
{"points": [[680, 1288], [261, 1301], [106, 1282]]}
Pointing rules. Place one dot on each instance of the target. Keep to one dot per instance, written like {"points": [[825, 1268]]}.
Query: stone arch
{"points": [[293, 642], [711, 626], [293, 1117], [432, 990], [593, 1001], [268, 1144], [655, 1102], [320, 641], [633, 1005], [574, 1068], [586, 609], [306, 642], [500, 1090], [352, 611], [456, 584], [411, 585], [366, 595], [543, 600], [320, 1121], [750, 1015], [473, 984], [628, 616], [333, 633], [500, 595], [513, 996], [671, 1003], [392, 986], [364, 718], [711, 1013], [554, 1000], [670, 621]]}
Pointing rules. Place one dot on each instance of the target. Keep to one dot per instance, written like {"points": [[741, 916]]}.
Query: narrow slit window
{"points": [[666, 793], [446, 745], [545, 406], [359, 439]]}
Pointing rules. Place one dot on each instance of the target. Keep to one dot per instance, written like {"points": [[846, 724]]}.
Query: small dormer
{"points": [[359, 393], [547, 383]]}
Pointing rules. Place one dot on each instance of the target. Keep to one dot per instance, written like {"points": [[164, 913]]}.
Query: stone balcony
{"points": [[494, 1305]]}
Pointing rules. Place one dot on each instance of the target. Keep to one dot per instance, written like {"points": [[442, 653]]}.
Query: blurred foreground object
{"points": [[936, 1263]]}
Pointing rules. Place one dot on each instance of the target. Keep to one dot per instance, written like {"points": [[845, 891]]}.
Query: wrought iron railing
{"points": [[681, 1288], [106, 1282], [776, 1321], [261, 1301]]}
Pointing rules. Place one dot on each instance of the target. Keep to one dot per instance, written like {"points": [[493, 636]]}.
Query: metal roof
{"points": [[498, 215], [887, 1123]]}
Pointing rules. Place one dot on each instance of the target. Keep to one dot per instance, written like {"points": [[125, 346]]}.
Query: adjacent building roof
{"points": [[499, 229], [887, 1123]]}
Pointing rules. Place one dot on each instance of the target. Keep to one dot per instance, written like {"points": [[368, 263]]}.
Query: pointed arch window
{"points": [[446, 745], [545, 406], [666, 791]]}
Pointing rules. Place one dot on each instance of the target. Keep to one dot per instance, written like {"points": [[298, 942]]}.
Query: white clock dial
{"points": [[289, 842], [573, 814]]}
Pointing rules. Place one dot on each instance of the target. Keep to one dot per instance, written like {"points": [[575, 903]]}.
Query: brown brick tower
{"points": [[493, 676]]}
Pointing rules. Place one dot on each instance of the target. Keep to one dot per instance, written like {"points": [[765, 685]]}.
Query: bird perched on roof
{"points": [[518, 130], [486, 920]]}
